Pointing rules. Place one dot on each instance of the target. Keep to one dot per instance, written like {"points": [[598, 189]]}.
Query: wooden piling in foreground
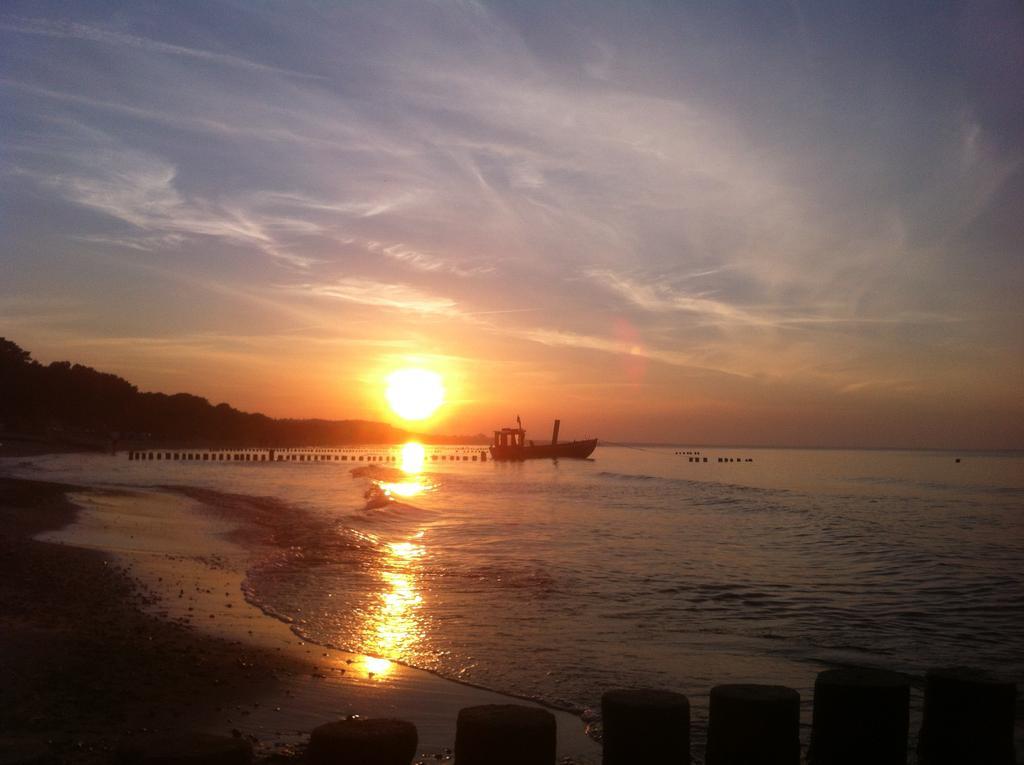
{"points": [[753, 724], [645, 726], [505, 734], [860, 715], [968, 717], [365, 741]]}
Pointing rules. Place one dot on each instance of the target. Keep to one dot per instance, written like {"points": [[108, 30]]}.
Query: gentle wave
{"points": [[824, 578], [556, 581]]}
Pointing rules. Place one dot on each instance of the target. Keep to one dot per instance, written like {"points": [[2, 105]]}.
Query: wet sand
{"points": [[84, 663], [133, 617]]}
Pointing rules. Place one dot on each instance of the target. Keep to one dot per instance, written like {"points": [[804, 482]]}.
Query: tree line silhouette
{"points": [[78, 402]]}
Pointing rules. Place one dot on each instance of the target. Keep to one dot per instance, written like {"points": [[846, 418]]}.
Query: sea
{"points": [[678, 567]]}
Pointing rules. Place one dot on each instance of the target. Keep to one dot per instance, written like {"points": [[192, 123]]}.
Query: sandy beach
{"points": [[126, 613]]}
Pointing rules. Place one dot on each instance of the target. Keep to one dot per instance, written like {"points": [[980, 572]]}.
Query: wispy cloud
{"points": [[369, 292], [424, 261], [662, 297], [90, 33], [623, 347], [139, 189], [891, 385]]}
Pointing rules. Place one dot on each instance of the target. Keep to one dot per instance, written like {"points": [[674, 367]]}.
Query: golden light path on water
{"points": [[392, 628], [413, 457]]}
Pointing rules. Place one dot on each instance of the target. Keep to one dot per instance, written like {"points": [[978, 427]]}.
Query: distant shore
{"points": [[149, 631]]}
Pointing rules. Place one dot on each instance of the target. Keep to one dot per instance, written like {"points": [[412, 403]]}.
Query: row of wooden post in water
{"points": [[354, 454], [859, 717]]}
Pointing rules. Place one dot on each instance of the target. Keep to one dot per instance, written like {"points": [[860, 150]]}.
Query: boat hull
{"points": [[576, 450]]}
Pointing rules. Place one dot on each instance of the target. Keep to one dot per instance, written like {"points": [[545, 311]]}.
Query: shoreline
{"points": [[85, 665], [186, 556]]}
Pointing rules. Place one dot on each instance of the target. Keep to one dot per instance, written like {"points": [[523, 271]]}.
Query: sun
{"points": [[414, 394]]}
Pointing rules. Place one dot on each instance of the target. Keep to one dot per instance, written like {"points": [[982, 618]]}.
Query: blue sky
{"points": [[732, 222]]}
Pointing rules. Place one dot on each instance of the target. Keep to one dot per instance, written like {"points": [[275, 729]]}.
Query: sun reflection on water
{"points": [[375, 665], [393, 628], [413, 458], [402, 488], [392, 625]]}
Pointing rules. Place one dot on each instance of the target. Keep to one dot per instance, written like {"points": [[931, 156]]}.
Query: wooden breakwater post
{"points": [[750, 723], [860, 716], [366, 454], [370, 741], [645, 725], [505, 734], [968, 717]]}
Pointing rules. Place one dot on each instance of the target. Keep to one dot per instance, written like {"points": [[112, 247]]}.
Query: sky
{"points": [[764, 223]]}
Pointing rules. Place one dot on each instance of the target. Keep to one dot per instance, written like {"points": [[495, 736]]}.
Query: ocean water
{"points": [[558, 580]]}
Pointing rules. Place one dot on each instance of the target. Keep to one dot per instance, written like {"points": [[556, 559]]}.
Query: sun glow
{"points": [[414, 394]]}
